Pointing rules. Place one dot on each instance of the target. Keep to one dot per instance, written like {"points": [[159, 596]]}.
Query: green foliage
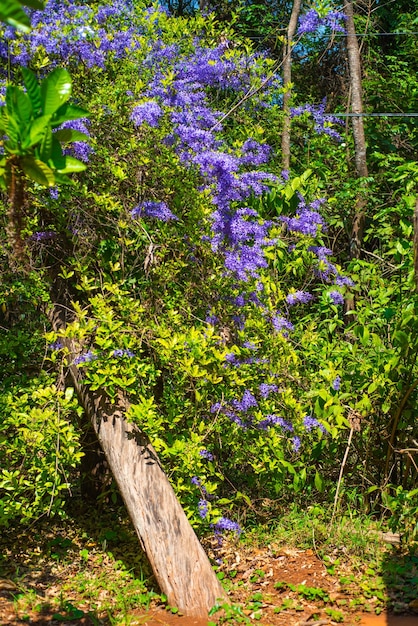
{"points": [[28, 121], [11, 12], [39, 446]]}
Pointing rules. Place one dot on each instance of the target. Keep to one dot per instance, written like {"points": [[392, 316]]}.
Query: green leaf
{"points": [[57, 159], [38, 171], [319, 483], [72, 165], [68, 112], [18, 105], [38, 129], [55, 90], [66, 135], [33, 4], [46, 146], [32, 87], [12, 13]]}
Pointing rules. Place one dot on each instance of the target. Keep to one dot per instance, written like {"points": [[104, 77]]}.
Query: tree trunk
{"points": [[287, 79], [358, 129], [179, 562]]}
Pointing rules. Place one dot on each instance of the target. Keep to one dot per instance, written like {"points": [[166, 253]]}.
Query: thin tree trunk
{"points": [[287, 79], [179, 562], [358, 129]]}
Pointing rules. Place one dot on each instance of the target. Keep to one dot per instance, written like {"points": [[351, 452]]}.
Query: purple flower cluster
{"points": [[120, 352], [307, 220], [281, 324], [86, 357], [238, 233], [226, 525], [310, 423], [312, 22], [75, 31], [43, 235], [157, 210], [266, 390], [323, 121], [206, 454], [80, 149], [273, 420], [149, 112], [298, 297], [336, 383]]}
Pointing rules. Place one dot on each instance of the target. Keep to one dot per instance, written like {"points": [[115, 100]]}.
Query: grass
{"points": [[93, 565]]}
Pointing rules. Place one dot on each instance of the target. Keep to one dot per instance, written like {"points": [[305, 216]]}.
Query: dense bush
{"points": [[207, 286]]}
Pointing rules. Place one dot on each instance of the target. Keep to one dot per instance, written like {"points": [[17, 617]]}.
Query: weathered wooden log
{"points": [[178, 560]]}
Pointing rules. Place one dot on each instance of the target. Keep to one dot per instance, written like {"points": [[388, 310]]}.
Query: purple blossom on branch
{"points": [[119, 352], [149, 112], [336, 297], [86, 357], [266, 390], [311, 22], [158, 210], [206, 454], [225, 524], [297, 297], [336, 383]]}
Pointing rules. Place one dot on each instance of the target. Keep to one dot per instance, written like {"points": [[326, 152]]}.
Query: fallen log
{"points": [[179, 563]]}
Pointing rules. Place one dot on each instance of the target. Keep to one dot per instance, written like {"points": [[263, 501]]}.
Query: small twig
{"points": [[340, 477], [319, 622]]}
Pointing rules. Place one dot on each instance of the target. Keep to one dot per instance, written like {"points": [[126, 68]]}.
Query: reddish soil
{"points": [[263, 582]]}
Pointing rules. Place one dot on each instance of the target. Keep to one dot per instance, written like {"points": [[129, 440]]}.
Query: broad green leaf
{"points": [[33, 89], [72, 165], [68, 112], [63, 179], [46, 146], [57, 159], [66, 135], [12, 13], [38, 171], [38, 129], [55, 90], [18, 105]]}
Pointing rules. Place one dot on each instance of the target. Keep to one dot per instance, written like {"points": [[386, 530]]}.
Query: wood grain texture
{"points": [[177, 558]]}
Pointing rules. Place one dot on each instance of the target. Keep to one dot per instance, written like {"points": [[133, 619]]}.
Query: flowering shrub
{"points": [[208, 290]]}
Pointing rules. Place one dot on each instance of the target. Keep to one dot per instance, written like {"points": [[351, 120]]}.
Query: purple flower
{"points": [[195, 481], [85, 358], [336, 383], [203, 508], [225, 524], [311, 22], [43, 235], [158, 210], [123, 352], [247, 402], [296, 443], [266, 390], [298, 297], [310, 422], [336, 297], [206, 454], [281, 324], [149, 112], [57, 345]]}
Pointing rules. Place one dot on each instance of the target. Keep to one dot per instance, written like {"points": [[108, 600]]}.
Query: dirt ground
{"points": [[275, 586]]}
